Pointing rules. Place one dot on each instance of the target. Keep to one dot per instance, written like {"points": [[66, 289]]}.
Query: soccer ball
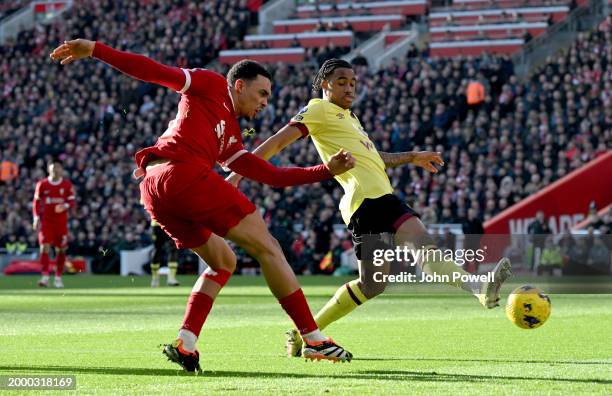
{"points": [[528, 307]]}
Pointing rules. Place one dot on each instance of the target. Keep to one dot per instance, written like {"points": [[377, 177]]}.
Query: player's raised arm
{"points": [[255, 168], [137, 66], [272, 146], [36, 207], [424, 159]]}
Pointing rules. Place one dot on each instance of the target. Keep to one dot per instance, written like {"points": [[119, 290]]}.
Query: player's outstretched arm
{"points": [[424, 159], [272, 146], [137, 66], [255, 168]]}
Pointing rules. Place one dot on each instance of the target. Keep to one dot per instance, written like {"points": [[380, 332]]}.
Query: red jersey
{"points": [[48, 195], [205, 130]]}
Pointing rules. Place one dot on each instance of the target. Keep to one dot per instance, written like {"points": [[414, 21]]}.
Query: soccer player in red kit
{"points": [[195, 206], [52, 199]]}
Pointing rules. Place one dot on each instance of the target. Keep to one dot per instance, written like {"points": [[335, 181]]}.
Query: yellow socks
{"points": [[347, 298], [172, 267]]}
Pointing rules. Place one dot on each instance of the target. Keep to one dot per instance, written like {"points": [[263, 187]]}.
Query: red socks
{"points": [[297, 308], [200, 304], [198, 307], [59, 264], [44, 260]]}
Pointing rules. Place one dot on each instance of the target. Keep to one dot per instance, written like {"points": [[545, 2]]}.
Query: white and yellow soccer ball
{"points": [[528, 307]]}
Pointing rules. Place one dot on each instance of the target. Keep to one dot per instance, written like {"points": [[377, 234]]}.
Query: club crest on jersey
{"points": [[298, 118], [340, 116]]}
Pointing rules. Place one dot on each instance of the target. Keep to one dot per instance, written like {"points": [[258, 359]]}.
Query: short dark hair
{"points": [[247, 70], [326, 70], [55, 161]]}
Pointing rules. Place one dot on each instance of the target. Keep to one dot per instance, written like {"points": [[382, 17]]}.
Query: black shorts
{"points": [[378, 216]]}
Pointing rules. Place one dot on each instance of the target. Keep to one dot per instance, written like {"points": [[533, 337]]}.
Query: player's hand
{"points": [[427, 159], [61, 208], [73, 50], [36, 223], [340, 162], [234, 179]]}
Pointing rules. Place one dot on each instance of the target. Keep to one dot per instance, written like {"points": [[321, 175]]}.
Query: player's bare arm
{"points": [[424, 159]]}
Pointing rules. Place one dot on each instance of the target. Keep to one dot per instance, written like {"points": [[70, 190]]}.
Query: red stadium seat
{"points": [[400, 7], [287, 55], [306, 39], [443, 33], [475, 48], [366, 23]]}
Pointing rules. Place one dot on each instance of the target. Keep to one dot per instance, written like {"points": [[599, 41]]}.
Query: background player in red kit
{"points": [[52, 199], [196, 206]]}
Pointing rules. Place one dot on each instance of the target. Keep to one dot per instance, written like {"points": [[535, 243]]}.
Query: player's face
{"points": [[341, 86], [55, 170], [253, 96]]}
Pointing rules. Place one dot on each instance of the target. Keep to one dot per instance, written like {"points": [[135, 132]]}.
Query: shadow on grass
{"points": [[385, 375], [570, 362]]}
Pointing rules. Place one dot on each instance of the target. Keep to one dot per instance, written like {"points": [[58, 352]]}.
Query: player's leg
{"points": [[413, 232], [60, 261], [252, 235], [222, 263], [156, 260], [44, 261], [348, 297], [172, 257], [60, 243]]}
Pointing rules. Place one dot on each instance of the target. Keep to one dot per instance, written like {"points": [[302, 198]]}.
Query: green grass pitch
{"points": [[106, 330]]}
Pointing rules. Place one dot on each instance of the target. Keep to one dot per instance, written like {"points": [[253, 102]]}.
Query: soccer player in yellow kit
{"points": [[368, 206]]}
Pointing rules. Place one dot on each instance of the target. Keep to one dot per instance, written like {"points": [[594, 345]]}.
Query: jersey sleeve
{"points": [[310, 119], [141, 67], [232, 154], [202, 82]]}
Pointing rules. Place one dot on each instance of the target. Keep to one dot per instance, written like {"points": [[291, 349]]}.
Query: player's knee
{"points": [[229, 262], [371, 288], [265, 246]]}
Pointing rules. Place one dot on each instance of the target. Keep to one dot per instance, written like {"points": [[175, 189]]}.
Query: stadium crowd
{"points": [[523, 136]]}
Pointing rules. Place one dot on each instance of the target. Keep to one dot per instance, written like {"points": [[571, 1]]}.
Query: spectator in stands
{"points": [[551, 260], [599, 256], [539, 230], [359, 60]]}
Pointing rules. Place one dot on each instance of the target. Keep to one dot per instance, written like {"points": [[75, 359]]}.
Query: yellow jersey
{"points": [[331, 128]]}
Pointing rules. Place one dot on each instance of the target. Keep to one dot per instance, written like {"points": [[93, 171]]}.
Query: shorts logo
{"points": [[232, 140], [298, 118]]}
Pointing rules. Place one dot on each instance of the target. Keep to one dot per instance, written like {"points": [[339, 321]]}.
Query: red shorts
{"points": [[190, 203], [53, 234]]}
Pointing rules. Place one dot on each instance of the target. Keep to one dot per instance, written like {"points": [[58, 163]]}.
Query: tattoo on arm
{"points": [[392, 160]]}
